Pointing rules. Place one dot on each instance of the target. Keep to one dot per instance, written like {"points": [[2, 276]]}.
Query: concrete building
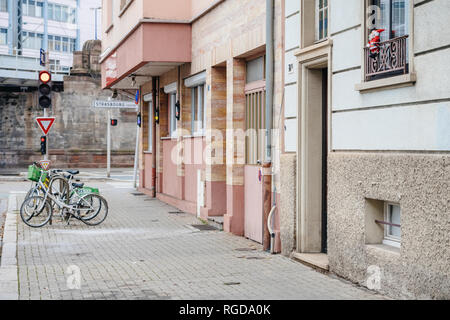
{"points": [[26, 26], [357, 163]]}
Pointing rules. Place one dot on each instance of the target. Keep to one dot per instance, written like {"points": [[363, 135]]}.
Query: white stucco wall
{"points": [[292, 31], [408, 118]]}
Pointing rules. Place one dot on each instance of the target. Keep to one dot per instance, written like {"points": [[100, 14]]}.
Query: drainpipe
{"points": [[268, 210], [269, 79], [155, 104]]}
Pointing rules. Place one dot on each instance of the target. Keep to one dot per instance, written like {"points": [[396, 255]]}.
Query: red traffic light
{"points": [[114, 122], [45, 76], [42, 139]]}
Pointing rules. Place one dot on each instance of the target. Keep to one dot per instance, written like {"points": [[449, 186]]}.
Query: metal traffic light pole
{"points": [[47, 62], [108, 143]]}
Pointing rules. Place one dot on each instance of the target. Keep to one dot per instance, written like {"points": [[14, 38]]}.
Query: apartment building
{"points": [[369, 142], [253, 105], [201, 68]]}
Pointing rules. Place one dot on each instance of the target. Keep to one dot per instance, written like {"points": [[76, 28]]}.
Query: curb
{"points": [[9, 282]]}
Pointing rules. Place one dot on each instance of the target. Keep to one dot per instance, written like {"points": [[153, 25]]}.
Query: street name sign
{"points": [[114, 104], [42, 57], [45, 164], [45, 123]]}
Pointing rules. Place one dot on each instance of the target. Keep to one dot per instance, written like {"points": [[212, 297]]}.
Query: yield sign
{"points": [[45, 164], [45, 124]]}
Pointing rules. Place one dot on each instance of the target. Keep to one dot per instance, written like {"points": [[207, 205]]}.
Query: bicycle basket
{"points": [[34, 173], [87, 190]]}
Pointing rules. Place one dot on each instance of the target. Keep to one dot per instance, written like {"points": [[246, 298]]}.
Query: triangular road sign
{"points": [[45, 124], [45, 164]]}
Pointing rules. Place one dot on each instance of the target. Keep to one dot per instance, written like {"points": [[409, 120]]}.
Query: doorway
{"points": [[312, 156]]}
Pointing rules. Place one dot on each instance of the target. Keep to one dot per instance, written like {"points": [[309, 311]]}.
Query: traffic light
{"points": [[139, 119], [157, 115], [113, 122], [45, 89], [177, 110], [44, 145]]}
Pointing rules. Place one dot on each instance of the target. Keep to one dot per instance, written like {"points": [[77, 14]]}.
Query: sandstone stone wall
{"points": [[78, 137]]}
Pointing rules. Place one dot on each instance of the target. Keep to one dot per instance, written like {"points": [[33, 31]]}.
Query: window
{"points": [[321, 19], [73, 16], [255, 110], [65, 44], [32, 40], [392, 231], [198, 98], [51, 11], [172, 113], [3, 36], [4, 5], [32, 8], [390, 56], [39, 9], [57, 43], [73, 43], [57, 12], [51, 43]]}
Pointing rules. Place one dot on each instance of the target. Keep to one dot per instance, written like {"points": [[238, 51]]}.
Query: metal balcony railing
{"points": [[391, 58]]}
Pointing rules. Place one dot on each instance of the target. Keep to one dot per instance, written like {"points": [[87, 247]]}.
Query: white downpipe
{"points": [[272, 234]]}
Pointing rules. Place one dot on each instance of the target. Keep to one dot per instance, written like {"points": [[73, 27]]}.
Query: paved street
{"points": [[146, 251]]}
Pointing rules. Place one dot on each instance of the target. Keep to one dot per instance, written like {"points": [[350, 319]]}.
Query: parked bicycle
{"points": [[54, 192]]}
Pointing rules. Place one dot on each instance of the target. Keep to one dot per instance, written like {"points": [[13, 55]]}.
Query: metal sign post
{"points": [[109, 104], [108, 147]]}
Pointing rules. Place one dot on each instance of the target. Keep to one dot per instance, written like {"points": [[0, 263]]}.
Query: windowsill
{"points": [[166, 138], [148, 152], [383, 249], [196, 135], [387, 83], [108, 29], [125, 7]]}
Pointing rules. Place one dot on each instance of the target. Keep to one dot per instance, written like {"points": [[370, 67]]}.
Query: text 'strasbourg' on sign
{"points": [[114, 104]]}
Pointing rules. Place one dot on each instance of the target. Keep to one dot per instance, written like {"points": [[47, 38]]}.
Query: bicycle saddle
{"points": [[78, 185], [73, 172]]}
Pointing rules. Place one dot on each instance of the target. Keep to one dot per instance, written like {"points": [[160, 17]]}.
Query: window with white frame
{"points": [[3, 36], [321, 19], [172, 114], [198, 110], [4, 5], [392, 230], [197, 84]]}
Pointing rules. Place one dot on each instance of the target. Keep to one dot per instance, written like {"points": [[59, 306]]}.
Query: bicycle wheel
{"points": [[35, 213], [92, 209]]}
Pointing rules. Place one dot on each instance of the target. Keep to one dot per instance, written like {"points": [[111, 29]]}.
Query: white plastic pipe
{"points": [[272, 234]]}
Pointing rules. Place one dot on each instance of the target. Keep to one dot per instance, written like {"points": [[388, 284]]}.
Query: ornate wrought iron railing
{"points": [[392, 57]]}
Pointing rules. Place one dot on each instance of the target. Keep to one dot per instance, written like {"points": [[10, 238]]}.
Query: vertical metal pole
{"points": [[47, 61], [108, 152], [96, 38]]}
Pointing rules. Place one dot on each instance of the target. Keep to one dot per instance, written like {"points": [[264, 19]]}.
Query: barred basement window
{"points": [[392, 231]]}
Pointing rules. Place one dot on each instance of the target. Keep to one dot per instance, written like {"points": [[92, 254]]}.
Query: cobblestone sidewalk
{"points": [[145, 251]]}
